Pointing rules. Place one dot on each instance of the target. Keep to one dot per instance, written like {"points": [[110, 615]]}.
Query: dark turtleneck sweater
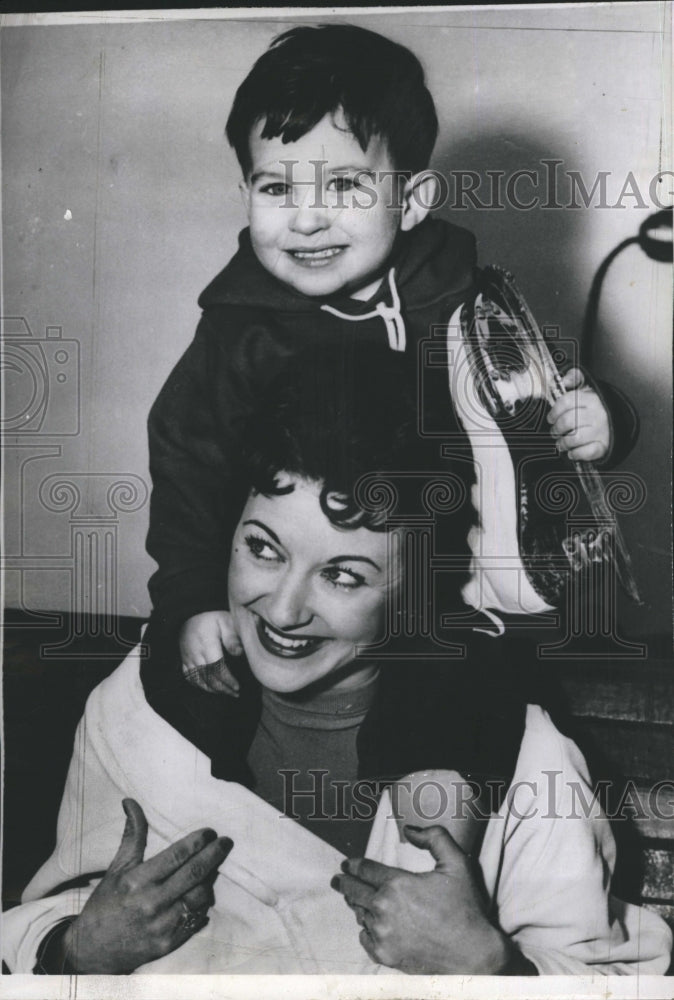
{"points": [[306, 735]]}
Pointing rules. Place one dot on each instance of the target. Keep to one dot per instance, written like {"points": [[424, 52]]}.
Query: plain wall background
{"points": [[120, 203]]}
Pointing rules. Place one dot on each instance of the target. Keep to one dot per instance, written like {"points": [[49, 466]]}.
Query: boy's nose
{"points": [[288, 607], [310, 216]]}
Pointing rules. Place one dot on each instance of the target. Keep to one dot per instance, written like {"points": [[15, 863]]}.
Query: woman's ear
{"points": [[244, 191], [420, 195]]}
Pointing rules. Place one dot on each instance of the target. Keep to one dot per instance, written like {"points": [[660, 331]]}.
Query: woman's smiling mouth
{"points": [[281, 644]]}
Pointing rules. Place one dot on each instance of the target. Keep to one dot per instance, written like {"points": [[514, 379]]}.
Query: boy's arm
{"points": [[592, 421], [196, 492], [623, 418]]}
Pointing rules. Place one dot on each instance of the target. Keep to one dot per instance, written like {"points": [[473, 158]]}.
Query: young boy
{"points": [[333, 128]]}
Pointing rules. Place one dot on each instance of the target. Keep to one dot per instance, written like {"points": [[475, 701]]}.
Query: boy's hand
{"points": [[202, 641], [579, 421]]}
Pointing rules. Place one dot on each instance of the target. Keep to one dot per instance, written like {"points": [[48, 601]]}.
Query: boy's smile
{"points": [[323, 213], [316, 258]]}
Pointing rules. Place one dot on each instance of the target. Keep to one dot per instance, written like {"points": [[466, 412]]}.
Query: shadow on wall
{"points": [[539, 246]]}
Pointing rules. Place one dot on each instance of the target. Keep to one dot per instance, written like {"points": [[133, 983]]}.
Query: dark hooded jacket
{"points": [[252, 325]]}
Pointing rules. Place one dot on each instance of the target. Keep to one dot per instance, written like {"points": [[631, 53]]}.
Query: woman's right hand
{"points": [[142, 910]]}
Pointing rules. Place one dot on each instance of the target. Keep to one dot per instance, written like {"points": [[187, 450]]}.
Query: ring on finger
{"points": [[190, 920]]}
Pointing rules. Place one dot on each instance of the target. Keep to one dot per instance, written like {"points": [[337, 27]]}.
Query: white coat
{"points": [[274, 909]]}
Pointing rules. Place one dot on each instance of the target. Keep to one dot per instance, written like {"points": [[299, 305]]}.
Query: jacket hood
{"points": [[433, 260]]}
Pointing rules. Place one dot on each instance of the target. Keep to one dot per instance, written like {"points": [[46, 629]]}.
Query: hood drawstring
{"points": [[395, 327]]}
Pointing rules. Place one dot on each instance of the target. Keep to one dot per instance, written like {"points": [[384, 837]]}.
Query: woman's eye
{"points": [[261, 549], [341, 577], [277, 189]]}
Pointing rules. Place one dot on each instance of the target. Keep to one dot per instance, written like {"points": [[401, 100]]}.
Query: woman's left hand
{"points": [[431, 922]]}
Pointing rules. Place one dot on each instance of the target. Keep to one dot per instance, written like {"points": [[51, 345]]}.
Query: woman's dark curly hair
{"points": [[348, 419]]}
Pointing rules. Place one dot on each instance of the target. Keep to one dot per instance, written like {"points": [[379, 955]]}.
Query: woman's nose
{"points": [[288, 605]]}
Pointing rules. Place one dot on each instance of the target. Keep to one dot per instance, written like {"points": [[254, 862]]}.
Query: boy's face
{"points": [[323, 214]]}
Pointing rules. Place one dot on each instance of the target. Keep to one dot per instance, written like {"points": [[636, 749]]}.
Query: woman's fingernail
{"points": [[335, 882], [226, 843], [345, 866]]}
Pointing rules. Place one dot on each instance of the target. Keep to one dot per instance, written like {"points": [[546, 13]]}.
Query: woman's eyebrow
{"points": [[264, 527], [275, 175], [339, 559]]}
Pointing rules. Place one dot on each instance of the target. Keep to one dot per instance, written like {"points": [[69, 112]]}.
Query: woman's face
{"points": [[304, 593]]}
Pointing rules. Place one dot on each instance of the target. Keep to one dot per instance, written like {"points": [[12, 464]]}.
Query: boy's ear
{"points": [[244, 191], [420, 194]]}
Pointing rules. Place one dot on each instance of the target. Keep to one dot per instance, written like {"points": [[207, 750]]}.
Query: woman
{"points": [[461, 874]]}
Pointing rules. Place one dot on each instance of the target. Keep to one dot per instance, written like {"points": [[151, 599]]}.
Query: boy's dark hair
{"points": [[309, 72]]}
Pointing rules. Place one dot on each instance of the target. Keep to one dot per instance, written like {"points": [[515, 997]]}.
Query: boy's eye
{"points": [[339, 576], [341, 183], [262, 549], [350, 182]]}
